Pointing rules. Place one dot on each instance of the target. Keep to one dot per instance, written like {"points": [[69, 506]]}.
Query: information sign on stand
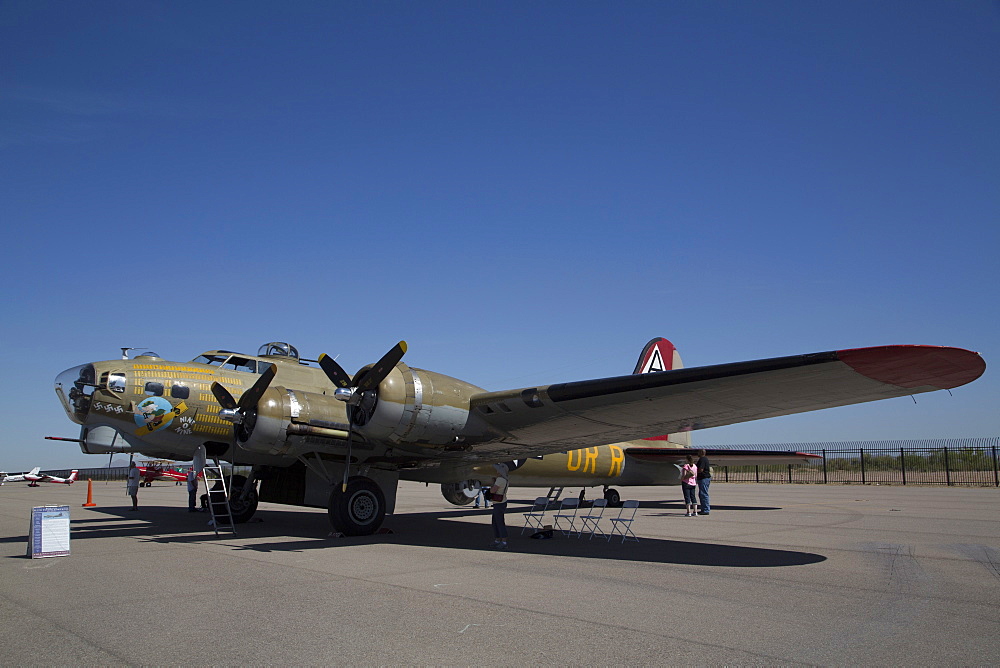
{"points": [[49, 532]]}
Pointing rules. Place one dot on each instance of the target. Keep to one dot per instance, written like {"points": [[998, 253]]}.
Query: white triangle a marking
{"points": [[654, 363]]}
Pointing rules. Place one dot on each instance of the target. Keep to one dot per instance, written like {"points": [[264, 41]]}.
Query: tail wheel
{"points": [[360, 510]]}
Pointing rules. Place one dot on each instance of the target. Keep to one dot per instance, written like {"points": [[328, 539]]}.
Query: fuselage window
{"points": [[154, 389], [116, 383], [180, 391]]}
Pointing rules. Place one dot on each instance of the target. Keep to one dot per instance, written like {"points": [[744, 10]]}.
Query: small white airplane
{"points": [[18, 477], [33, 477]]}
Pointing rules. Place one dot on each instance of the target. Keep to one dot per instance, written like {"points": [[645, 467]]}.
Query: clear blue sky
{"points": [[526, 192]]}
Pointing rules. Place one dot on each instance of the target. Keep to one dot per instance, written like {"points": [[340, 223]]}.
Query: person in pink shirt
{"points": [[689, 475]]}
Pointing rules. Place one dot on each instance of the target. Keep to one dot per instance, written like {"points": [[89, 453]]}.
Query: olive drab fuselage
{"points": [[167, 409]]}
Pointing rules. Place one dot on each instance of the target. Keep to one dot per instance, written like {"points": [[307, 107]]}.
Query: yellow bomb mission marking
{"points": [[587, 458]]}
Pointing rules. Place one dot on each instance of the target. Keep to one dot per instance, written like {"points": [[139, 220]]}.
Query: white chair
{"points": [[564, 513], [535, 518], [592, 521], [623, 523]]}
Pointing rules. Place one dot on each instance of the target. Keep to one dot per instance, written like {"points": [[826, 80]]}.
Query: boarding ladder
{"points": [[554, 494], [218, 498]]}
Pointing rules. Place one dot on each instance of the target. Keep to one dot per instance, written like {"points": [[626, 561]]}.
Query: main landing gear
{"points": [[360, 510], [612, 496], [241, 506]]}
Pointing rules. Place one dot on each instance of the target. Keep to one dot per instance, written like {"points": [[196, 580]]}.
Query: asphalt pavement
{"points": [[777, 574]]}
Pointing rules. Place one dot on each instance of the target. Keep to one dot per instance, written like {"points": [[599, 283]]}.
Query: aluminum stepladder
{"points": [[218, 498]]}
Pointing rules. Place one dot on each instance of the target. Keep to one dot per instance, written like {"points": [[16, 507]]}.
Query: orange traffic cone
{"points": [[90, 494]]}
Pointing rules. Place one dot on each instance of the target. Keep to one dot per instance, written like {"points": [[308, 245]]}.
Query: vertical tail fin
{"points": [[35, 470], [658, 355], [661, 355], [72, 476]]}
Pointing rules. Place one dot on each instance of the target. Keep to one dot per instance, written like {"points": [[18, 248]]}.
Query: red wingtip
{"points": [[916, 366]]}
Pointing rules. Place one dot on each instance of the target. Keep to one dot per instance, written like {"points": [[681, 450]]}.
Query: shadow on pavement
{"points": [[303, 531]]}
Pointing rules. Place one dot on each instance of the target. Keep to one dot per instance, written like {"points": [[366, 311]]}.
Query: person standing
{"points": [[132, 485], [192, 483], [704, 480], [689, 477], [498, 494]]}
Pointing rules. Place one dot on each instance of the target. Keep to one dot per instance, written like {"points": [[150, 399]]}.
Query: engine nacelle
{"points": [[282, 412], [413, 406], [418, 406]]}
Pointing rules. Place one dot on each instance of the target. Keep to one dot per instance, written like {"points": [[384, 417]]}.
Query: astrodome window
{"points": [[154, 389], [278, 349]]}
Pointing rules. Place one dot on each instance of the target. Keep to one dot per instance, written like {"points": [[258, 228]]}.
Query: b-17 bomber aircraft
{"points": [[315, 436]]}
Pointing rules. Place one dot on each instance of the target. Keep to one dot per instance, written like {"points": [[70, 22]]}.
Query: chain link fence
{"points": [[969, 461], [960, 461]]}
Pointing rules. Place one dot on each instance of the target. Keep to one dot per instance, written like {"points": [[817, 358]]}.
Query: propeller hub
{"points": [[231, 415], [344, 393]]}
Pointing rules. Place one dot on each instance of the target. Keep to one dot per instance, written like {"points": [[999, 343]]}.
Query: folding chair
{"points": [[623, 523], [535, 518], [570, 517], [592, 521]]}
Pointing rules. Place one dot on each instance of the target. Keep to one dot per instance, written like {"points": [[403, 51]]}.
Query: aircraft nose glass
{"points": [[74, 388]]}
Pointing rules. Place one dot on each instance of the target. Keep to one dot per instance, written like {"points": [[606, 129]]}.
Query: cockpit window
{"points": [[241, 364], [214, 360]]}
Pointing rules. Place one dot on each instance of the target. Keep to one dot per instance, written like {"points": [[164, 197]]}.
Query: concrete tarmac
{"points": [[777, 574]]}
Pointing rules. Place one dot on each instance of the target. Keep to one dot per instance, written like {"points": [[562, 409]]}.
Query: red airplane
{"points": [[155, 471]]}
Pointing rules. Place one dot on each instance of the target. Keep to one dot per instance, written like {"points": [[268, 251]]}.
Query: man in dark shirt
{"points": [[704, 480]]}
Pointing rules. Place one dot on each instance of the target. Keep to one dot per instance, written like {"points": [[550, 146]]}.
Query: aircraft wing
{"points": [[537, 420], [722, 456]]}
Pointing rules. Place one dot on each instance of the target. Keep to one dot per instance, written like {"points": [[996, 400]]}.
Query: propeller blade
{"points": [[382, 368], [223, 396], [334, 371], [256, 391]]}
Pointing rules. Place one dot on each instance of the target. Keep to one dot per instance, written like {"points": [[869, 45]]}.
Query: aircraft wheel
{"points": [[613, 497], [360, 510], [243, 510], [454, 494]]}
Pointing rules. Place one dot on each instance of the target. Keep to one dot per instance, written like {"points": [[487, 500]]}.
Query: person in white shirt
{"points": [[132, 485]]}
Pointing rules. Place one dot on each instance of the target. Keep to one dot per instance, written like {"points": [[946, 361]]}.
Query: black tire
{"points": [[453, 495], [613, 498], [360, 510], [243, 510]]}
